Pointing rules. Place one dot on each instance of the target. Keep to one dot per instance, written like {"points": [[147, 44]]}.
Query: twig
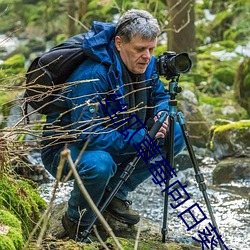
{"points": [[66, 154], [137, 236], [99, 238], [45, 217], [77, 21]]}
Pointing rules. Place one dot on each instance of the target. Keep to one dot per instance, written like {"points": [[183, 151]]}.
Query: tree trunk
{"points": [[71, 6], [83, 7], [181, 27]]}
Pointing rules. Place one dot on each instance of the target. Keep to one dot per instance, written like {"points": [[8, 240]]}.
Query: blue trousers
{"points": [[98, 171]]}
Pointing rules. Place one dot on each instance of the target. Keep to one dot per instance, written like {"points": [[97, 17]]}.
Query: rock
{"points": [[228, 110], [20, 209], [183, 160], [231, 139], [149, 238], [188, 95], [231, 169], [10, 231], [197, 125]]}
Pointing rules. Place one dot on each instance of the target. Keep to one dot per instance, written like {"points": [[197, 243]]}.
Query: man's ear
{"points": [[118, 42]]}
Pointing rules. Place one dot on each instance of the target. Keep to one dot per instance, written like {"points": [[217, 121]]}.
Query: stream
{"points": [[230, 203]]}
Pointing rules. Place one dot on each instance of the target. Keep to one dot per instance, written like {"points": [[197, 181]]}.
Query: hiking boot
{"points": [[75, 231], [121, 211]]}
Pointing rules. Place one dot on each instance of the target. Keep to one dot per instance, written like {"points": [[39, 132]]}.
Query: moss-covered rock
{"points": [[22, 200], [224, 75], [11, 237], [232, 139]]}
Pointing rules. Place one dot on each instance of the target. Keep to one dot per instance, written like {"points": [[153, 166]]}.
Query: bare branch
{"points": [[66, 154]]}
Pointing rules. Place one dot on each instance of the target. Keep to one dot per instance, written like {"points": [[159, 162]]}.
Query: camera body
{"points": [[171, 65]]}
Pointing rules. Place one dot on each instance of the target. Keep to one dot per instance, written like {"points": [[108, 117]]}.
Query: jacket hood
{"points": [[98, 43]]}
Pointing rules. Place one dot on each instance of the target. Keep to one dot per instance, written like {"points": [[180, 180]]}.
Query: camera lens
{"points": [[182, 63], [171, 64]]}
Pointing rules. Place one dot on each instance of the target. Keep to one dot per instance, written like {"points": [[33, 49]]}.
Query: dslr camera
{"points": [[171, 65]]}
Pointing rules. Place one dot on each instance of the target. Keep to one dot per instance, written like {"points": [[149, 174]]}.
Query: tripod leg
{"points": [[198, 175], [170, 159], [164, 229], [125, 175]]}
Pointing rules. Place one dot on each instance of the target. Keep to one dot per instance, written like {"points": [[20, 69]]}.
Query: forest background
{"points": [[214, 33]]}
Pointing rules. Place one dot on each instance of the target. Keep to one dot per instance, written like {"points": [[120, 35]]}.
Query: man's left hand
{"points": [[164, 128]]}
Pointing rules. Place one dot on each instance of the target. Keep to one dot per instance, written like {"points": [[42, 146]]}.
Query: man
{"points": [[121, 69]]}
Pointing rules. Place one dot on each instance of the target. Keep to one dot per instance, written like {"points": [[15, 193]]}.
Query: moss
{"points": [[13, 239], [225, 75], [6, 243], [13, 71], [219, 103], [16, 61], [16, 237], [128, 244], [60, 38], [235, 125], [220, 24], [21, 199], [9, 219], [6, 96], [220, 131], [229, 45], [214, 101]]}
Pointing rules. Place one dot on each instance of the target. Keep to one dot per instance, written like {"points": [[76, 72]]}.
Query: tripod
{"points": [[125, 174], [173, 90]]}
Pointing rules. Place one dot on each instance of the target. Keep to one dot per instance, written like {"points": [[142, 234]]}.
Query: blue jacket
{"points": [[86, 117]]}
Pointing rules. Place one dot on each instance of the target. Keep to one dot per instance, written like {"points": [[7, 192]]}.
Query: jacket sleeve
{"points": [[88, 121]]}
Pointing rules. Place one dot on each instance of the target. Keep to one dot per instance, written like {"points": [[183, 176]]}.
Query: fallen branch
{"points": [[65, 154]]}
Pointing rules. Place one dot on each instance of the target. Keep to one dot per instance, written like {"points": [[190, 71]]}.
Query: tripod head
{"points": [[174, 89]]}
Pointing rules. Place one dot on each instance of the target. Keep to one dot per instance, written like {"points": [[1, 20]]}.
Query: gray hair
{"points": [[137, 22]]}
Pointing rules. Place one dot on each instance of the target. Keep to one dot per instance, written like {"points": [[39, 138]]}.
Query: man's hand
{"points": [[164, 128]]}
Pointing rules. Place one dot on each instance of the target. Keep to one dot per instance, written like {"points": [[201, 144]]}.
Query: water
{"points": [[230, 204]]}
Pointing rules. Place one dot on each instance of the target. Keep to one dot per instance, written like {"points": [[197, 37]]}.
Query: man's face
{"points": [[137, 53]]}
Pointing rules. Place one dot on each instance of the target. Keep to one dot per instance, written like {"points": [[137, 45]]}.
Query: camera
{"points": [[171, 65]]}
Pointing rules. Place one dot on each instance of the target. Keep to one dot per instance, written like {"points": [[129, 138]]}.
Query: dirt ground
{"points": [[149, 236]]}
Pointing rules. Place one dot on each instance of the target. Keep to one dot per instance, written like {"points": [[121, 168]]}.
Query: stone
{"points": [[231, 139], [197, 125], [231, 169]]}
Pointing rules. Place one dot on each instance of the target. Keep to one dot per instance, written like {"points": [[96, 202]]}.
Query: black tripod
{"points": [[125, 175], [173, 90]]}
